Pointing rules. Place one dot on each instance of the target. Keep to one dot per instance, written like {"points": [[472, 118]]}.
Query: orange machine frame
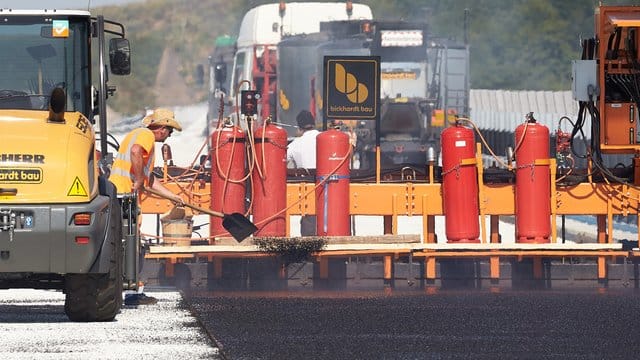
{"points": [[619, 119], [411, 198]]}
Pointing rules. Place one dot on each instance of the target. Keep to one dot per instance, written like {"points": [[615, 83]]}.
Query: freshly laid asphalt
{"points": [[452, 324], [588, 323]]}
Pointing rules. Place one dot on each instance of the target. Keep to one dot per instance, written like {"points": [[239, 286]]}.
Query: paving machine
{"points": [[61, 223], [509, 213]]}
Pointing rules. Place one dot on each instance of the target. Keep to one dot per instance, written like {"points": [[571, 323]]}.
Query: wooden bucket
{"points": [[177, 232]]}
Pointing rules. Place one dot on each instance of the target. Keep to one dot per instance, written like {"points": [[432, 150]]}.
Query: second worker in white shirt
{"points": [[301, 153]]}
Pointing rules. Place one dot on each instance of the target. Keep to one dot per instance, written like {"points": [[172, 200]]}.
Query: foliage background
{"points": [[514, 44]]}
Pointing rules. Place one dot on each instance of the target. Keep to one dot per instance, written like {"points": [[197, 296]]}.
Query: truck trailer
{"points": [[422, 78]]}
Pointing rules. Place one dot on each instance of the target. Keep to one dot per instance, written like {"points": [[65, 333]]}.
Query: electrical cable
{"points": [[484, 142], [578, 129]]}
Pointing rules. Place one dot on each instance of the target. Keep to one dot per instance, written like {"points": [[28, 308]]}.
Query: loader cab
{"points": [[43, 52]]}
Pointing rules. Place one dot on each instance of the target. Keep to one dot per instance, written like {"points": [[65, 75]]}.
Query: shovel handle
{"points": [[194, 207]]}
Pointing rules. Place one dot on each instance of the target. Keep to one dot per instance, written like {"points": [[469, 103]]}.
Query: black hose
{"points": [[612, 50]]}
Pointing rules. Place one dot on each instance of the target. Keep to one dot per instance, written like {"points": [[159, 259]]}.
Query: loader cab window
{"points": [[39, 54]]}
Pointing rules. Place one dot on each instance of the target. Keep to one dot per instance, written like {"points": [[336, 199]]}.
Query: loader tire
{"points": [[98, 297]]}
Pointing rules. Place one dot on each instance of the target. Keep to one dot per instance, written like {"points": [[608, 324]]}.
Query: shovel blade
{"points": [[238, 226]]}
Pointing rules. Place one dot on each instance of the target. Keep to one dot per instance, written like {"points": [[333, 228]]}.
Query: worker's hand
{"points": [[353, 138], [137, 185], [178, 200]]}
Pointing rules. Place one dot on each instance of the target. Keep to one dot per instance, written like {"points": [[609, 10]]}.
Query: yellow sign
{"points": [[77, 189], [351, 87], [284, 101], [399, 75], [20, 175], [438, 117]]}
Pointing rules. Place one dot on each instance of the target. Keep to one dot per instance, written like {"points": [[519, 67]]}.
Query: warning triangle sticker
{"points": [[77, 189]]}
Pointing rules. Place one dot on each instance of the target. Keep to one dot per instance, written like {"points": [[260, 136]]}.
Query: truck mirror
{"points": [[425, 106], [200, 75], [220, 72], [119, 56]]}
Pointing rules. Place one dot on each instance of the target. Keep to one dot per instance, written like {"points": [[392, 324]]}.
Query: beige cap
{"points": [[161, 117]]}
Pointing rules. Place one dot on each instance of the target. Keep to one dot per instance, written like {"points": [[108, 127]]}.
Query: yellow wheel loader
{"points": [[61, 224]]}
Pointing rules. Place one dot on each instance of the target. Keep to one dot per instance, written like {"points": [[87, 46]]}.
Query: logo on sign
{"points": [[347, 84], [20, 175]]}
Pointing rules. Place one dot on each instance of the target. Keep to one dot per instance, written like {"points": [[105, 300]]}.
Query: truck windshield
{"points": [[39, 54]]}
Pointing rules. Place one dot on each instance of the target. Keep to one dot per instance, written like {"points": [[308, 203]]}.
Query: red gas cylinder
{"points": [[270, 180], [533, 184], [460, 185], [228, 156], [333, 153]]}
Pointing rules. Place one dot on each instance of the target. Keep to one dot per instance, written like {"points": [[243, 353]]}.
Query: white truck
{"points": [[262, 28]]}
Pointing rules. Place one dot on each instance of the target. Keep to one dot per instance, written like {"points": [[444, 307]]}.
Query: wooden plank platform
{"points": [[406, 247], [429, 253], [376, 239], [519, 246], [349, 245], [418, 249]]}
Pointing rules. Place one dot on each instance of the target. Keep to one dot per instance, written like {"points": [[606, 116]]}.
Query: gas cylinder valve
{"points": [[563, 150]]}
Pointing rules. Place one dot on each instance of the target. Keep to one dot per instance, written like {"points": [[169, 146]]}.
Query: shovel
{"points": [[236, 224]]}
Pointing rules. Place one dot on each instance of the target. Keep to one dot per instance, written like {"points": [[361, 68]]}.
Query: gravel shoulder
{"points": [[33, 326]]}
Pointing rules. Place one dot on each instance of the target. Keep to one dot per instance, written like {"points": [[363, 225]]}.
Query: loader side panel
{"points": [[49, 242], [44, 161]]}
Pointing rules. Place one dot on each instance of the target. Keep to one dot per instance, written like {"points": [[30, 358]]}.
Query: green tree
{"points": [[514, 44]]}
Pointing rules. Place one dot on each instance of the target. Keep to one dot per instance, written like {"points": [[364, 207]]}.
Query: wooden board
{"points": [[375, 239], [398, 248]]}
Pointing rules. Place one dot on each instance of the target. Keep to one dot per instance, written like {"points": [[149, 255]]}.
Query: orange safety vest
{"points": [[121, 174]]}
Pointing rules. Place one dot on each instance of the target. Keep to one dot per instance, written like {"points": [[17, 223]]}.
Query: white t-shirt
{"points": [[301, 152]]}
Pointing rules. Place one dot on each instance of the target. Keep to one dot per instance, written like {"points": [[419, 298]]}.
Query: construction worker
{"points": [[133, 165], [301, 153]]}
